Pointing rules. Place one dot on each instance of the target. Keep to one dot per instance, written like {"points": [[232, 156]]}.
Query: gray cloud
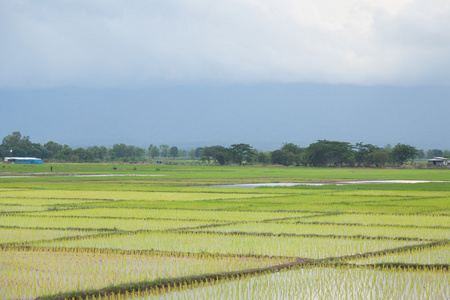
{"points": [[99, 43]]}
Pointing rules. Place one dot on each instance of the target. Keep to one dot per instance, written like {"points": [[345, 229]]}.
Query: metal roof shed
{"points": [[439, 161], [23, 160]]}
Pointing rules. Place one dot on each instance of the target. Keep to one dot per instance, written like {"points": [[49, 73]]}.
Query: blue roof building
{"points": [[22, 160]]}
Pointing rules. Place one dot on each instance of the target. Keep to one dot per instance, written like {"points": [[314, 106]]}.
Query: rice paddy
{"points": [[325, 283], [173, 237], [34, 272]]}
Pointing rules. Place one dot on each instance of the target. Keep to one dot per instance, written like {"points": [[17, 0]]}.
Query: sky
{"points": [[264, 72]]}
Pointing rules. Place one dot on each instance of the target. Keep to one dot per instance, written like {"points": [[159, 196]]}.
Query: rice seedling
{"points": [[443, 212], [323, 283], [436, 255], [123, 195], [21, 236], [381, 208], [42, 201], [28, 274], [175, 214], [60, 234], [97, 223], [20, 208], [383, 219], [288, 246], [336, 230], [393, 193]]}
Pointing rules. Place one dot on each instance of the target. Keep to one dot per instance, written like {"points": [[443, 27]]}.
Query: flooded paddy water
{"points": [[287, 184]]}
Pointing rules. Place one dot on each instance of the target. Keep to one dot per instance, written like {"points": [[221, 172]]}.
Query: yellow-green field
{"points": [[175, 237]]}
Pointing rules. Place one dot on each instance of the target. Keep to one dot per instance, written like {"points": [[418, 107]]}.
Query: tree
{"points": [[138, 152], [53, 148], [291, 147], [294, 154], [80, 155], [241, 153], [434, 153], [12, 140], [21, 146], [37, 150], [153, 151], [218, 154], [65, 153], [173, 151], [362, 151], [191, 153], [198, 152], [377, 157], [402, 153], [263, 157], [388, 149], [421, 154], [280, 157], [183, 153], [223, 158], [119, 151], [164, 150], [323, 153], [98, 153], [131, 150]]}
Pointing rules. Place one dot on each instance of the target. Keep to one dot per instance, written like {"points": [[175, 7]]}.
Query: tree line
{"points": [[319, 154]]}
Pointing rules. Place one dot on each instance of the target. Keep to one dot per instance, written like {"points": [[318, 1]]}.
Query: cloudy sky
{"points": [[206, 55]]}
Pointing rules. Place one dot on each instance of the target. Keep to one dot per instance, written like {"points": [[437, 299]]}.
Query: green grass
{"points": [[271, 174]]}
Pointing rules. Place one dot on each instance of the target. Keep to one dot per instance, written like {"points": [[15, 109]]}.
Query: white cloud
{"points": [[126, 43]]}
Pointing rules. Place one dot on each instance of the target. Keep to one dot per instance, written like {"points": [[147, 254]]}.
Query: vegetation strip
{"points": [[187, 230], [297, 217], [390, 200], [142, 252], [412, 267], [359, 237], [183, 229], [165, 284], [66, 238], [117, 218], [106, 234], [382, 266], [60, 228], [390, 251], [14, 213], [372, 225], [65, 199]]}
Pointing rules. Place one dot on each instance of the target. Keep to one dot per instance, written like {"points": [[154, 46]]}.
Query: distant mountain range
{"points": [[263, 115]]}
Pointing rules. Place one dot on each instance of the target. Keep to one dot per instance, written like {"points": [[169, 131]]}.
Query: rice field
{"points": [[25, 236], [173, 237], [382, 219], [437, 255], [34, 272], [380, 232], [143, 213], [241, 244], [320, 283]]}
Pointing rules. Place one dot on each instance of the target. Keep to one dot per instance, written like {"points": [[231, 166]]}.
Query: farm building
{"points": [[439, 161], [22, 160]]}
